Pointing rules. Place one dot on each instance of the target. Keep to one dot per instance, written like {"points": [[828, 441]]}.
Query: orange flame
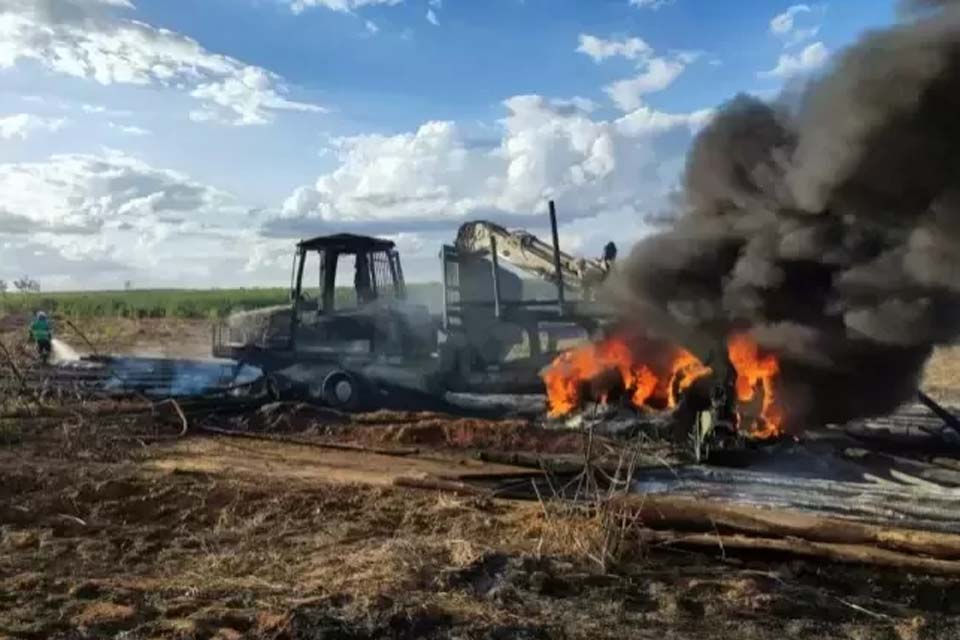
{"points": [[753, 370], [659, 383], [565, 378]]}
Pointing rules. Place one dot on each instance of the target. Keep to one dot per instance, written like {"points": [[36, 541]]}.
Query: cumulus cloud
{"points": [[22, 125], [658, 75], [812, 57], [655, 73], [78, 194], [785, 25], [600, 49], [432, 18], [548, 149], [93, 39]]}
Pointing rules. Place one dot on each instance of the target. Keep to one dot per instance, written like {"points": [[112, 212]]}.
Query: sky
{"points": [[192, 143]]}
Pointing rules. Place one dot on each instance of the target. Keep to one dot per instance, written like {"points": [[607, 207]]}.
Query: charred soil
{"points": [[136, 539]]}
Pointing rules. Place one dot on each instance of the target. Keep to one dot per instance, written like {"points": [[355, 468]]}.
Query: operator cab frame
{"points": [[378, 275]]}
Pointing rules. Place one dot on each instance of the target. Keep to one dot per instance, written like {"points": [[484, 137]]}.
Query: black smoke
{"points": [[829, 229]]}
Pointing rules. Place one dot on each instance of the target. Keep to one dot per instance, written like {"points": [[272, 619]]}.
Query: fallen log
{"points": [[882, 504], [885, 463], [436, 484], [552, 464], [703, 516], [850, 553], [948, 418], [397, 452], [457, 488]]}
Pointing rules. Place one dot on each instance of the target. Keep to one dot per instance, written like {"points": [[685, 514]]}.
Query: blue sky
{"points": [[189, 143]]}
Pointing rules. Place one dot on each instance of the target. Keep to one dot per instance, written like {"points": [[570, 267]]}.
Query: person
{"points": [[42, 334]]}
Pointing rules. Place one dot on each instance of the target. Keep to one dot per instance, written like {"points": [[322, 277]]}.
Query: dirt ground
{"points": [[109, 529], [206, 537]]}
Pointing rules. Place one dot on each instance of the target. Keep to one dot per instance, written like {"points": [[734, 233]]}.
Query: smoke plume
{"points": [[830, 230]]}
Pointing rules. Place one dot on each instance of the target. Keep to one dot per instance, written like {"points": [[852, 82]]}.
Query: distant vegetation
{"points": [[157, 303], [169, 303], [196, 303]]}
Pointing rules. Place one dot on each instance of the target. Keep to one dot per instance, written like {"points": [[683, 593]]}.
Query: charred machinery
{"points": [[350, 337]]}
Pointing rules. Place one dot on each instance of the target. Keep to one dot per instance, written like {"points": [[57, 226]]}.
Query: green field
{"points": [[203, 303], [170, 303]]}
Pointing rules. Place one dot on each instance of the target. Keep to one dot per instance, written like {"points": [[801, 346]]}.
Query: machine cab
{"points": [[375, 266], [348, 297]]}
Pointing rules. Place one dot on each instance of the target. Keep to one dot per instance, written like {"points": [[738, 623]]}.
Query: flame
{"points": [[686, 370], [660, 382], [566, 378], [753, 371]]}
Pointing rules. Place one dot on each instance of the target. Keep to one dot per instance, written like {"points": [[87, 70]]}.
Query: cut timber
{"points": [[853, 553], [669, 512], [457, 488], [948, 418], [881, 463], [399, 452], [550, 463], [446, 486]]}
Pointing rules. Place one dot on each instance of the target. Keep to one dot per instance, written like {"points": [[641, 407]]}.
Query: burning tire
{"points": [[342, 390]]}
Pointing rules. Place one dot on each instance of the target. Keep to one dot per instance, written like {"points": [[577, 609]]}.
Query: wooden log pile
{"points": [[721, 526]]}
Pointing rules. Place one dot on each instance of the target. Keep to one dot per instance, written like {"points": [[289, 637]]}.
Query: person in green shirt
{"points": [[41, 332]]}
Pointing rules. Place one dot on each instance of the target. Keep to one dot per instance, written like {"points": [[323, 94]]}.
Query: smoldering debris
{"points": [[830, 230]]}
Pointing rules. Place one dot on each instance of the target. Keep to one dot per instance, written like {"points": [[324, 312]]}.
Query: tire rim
{"points": [[343, 391]]}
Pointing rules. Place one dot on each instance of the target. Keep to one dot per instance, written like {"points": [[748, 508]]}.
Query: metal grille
{"points": [[384, 277]]}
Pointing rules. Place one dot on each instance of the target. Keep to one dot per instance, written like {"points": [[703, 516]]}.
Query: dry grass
{"points": [[942, 375]]}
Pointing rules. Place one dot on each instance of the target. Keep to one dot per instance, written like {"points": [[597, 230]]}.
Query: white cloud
{"points": [[658, 75], [600, 49], [548, 149], [788, 66], [432, 18], [785, 26], [371, 26], [85, 194], [102, 110], [650, 4], [784, 23], [91, 39], [647, 122], [655, 73], [299, 6], [130, 130], [22, 125], [245, 98]]}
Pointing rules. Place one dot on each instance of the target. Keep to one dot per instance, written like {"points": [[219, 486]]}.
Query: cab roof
{"points": [[346, 243]]}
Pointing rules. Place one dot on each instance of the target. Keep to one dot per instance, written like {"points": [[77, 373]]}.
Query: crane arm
{"points": [[529, 254]]}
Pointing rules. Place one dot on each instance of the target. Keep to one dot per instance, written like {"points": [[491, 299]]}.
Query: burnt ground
{"points": [[115, 527], [208, 537]]}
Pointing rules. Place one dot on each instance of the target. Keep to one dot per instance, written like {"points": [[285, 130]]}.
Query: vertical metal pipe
{"points": [[556, 254], [444, 267], [495, 262], [298, 288]]}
